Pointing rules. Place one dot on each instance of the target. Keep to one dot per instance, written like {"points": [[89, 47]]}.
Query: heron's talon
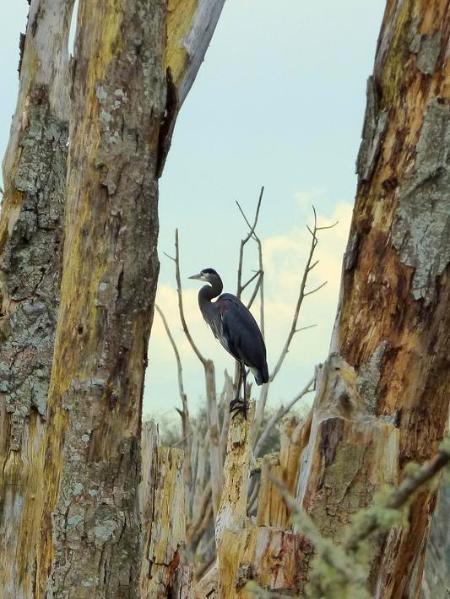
{"points": [[238, 406]]}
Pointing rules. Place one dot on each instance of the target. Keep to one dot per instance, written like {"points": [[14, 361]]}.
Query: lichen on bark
{"points": [[29, 269], [421, 230]]}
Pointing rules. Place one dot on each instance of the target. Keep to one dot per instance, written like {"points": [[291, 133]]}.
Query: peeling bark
{"points": [[232, 511]]}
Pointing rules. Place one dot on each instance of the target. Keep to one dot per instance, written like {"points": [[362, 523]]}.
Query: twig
{"points": [[197, 352], [251, 279], [259, 275], [255, 292]]}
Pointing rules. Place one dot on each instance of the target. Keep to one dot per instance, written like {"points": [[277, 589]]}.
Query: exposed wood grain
{"points": [[276, 560], [284, 466]]}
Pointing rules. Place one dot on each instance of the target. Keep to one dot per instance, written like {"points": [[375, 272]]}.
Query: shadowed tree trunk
{"points": [[85, 443], [393, 325]]}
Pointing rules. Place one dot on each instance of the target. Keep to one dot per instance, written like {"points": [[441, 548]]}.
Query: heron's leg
{"points": [[239, 406], [244, 379]]}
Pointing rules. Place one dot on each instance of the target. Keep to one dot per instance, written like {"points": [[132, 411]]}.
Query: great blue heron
{"points": [[236, 329]]}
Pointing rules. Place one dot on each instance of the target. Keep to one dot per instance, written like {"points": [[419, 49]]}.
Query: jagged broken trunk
{"points": [[393, 325]]}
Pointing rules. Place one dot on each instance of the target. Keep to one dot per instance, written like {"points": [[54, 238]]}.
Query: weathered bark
{"points": [[34, 172], [233, 503], [110, 266], [393, 325], [190, 26]]}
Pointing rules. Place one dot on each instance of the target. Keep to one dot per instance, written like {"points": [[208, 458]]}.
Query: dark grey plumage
{"points": [[234, 326]]}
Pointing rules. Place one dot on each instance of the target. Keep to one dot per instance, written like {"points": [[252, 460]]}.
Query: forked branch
{"points": [[310, 265]]}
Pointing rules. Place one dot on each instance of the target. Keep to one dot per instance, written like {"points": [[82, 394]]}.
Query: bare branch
{"points": [[227, 396], [244, 241], [207, 517], [301, 295], [177, 357], [255, 221], [197, 528], [255, 292], [324, 228], [315, 290], [180, 303], [310, 326], [251, 279]]}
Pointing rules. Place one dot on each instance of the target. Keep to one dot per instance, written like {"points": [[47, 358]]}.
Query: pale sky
{"points": [[279, 102]]}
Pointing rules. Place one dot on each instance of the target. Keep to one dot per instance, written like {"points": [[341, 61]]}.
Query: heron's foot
{"points": [[239, 406]]}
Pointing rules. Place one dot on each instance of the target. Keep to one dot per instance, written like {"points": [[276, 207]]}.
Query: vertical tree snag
{"points": [[34, 172], [110, 267], [393, 325]]}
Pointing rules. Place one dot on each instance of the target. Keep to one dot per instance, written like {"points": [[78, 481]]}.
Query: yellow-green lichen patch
{"points": [[394, 68], [180, 16]]}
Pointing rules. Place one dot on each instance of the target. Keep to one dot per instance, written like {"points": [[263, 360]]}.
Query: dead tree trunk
{"points": [[393, 325], [120, 133], [109, 276], [34, 172]]}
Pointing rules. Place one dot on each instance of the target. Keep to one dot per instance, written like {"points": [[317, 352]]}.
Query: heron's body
{"points": [[234, 326]]}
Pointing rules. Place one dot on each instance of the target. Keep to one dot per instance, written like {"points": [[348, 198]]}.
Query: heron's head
{"points": [[209, 275]]}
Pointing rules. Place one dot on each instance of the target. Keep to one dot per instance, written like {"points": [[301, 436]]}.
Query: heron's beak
{"points": [[199, 277]]}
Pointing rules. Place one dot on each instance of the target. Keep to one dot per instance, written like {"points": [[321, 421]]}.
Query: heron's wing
{"points": [[241, 332]]}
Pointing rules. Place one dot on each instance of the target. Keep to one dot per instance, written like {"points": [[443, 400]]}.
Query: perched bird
{"points": [[236, 329]]}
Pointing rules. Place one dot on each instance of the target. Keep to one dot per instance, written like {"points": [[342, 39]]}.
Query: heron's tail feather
{"points": [[261, 375]]}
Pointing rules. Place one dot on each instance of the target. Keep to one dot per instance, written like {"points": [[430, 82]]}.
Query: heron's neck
{"points": [[209, 292]]}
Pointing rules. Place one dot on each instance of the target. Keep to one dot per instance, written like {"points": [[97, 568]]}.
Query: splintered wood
{"points": [[268, 556], [272, 510], [162, 502]]}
